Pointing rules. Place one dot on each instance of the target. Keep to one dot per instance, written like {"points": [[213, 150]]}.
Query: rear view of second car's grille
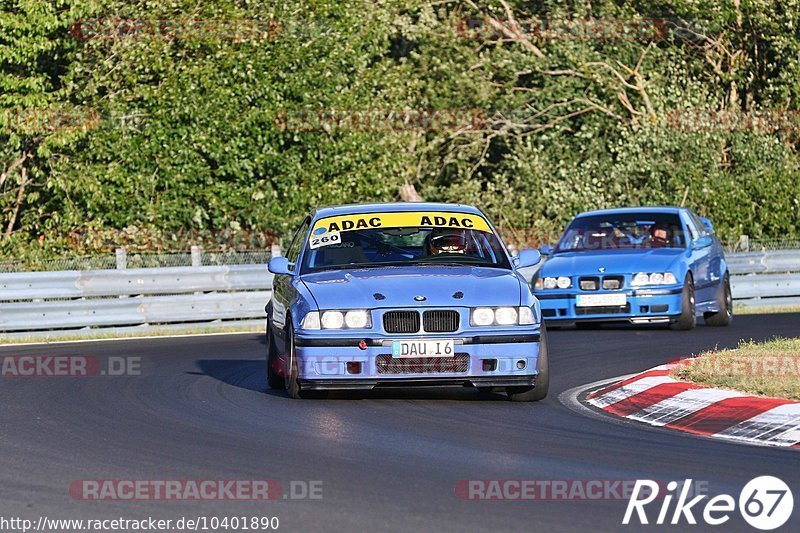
{"points": [[444, 321], [401, 321]]}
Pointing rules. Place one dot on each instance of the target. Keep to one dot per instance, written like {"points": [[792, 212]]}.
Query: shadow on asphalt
{"points": [[249, 374]]}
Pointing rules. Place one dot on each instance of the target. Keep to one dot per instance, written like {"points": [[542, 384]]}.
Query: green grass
{"points": [[770, 368]]}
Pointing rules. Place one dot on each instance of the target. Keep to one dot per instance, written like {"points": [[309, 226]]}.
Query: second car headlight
{"points": [[502, 316], [561, 282], [655, 278]]}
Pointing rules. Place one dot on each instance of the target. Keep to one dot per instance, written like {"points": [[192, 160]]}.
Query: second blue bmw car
{"points": [[640, 265]]}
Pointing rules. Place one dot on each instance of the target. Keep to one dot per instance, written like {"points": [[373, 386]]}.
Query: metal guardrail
{"points": [[769, 278], [96, 298], [36, 301]]}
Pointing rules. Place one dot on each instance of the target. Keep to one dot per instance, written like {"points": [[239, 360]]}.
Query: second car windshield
{"points": [[402, 246], [623, 232]]}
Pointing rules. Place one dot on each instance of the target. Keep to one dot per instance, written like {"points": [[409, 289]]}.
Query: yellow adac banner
{"points": [[413, 219]]}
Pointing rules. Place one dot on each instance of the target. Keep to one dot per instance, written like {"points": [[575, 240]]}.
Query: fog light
{"points": [[489, 365], [521, 364], [353, 367]]}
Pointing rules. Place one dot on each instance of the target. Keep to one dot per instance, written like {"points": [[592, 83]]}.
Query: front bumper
{"points": [[662, 305], [328, 362]]}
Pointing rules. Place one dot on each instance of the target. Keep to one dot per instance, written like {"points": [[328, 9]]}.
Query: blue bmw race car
{"points": [[642, 265], [403, 294]]}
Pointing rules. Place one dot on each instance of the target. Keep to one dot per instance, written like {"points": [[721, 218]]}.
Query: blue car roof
{"points": [[623, 210], [392, 207]]}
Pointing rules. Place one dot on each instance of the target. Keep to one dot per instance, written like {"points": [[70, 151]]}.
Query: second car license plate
{"points": [[601, 300], [423, 348]]}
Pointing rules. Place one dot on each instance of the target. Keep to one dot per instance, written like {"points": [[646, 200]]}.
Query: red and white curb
{"points": [[653, 397]]}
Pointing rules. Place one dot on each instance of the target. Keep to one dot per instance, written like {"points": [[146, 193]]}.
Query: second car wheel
{"points": [[724, 316], [687, 319]]}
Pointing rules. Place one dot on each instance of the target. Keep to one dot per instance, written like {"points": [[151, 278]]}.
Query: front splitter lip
{"points": [[463, 381]]}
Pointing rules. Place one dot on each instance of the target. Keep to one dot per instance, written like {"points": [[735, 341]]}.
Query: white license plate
{"points": [[421, 348], [601, 300]]}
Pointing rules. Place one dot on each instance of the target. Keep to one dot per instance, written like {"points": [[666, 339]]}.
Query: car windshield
{"points": [[623, 232], [350, 242]]}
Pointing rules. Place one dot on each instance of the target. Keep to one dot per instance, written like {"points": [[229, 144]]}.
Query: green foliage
{"points": [[172, 126]]}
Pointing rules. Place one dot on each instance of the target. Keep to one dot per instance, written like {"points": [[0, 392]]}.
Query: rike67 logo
{"points": [[765, 503]]}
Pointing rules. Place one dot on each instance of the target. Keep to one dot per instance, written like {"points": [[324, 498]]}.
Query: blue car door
{"points": [[700, 253]]}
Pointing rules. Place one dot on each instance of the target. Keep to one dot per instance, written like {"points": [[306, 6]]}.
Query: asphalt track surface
{"points": [[388, 460]]}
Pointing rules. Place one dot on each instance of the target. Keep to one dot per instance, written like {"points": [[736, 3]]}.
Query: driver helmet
{"points": [[447, 241]]}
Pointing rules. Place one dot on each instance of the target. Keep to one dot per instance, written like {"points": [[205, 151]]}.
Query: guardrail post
{"points": [[744, 243], [197, 256], [122, 258], [275, 250]]}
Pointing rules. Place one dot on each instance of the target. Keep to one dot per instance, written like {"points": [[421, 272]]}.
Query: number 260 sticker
{"points": [[332, 237]]}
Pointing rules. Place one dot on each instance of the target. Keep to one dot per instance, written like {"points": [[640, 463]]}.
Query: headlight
{"points": [[505, 316], [526, 317], [655, 278], [562, 282], [482, 316], [311, 321], [502, 316], [356, 319], [350, 319], [332, 320]]}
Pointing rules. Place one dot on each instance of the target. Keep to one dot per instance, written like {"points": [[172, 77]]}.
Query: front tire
{"points": [[274, 381], [291, 373], [687, 319], [724, 316], [539, 391]]}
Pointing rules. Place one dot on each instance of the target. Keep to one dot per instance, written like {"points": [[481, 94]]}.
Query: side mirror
{"points": [[546, 249], [280, 265], [708, 225], [702, 242], [528, 258]]}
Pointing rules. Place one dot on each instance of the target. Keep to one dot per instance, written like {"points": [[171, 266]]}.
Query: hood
{"points": [[398, 286], [614, 261]]}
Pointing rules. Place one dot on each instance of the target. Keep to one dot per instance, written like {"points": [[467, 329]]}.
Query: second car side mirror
{"points": [[707, 224], [528, 258], [702, 242], [546, 249], [280, 265]]}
